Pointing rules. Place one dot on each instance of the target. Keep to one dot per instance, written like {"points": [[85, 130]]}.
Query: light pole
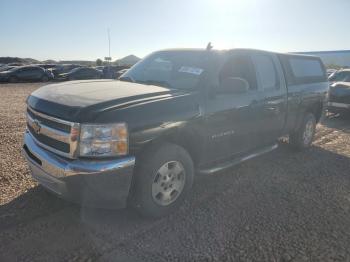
{"points": [[109, 44], [109, 58]]}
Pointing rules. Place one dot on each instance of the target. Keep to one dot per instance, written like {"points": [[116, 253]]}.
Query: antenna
{"points": [[209, 46]]}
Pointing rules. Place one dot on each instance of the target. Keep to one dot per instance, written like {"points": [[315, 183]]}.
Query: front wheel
{"points": [[303, 137], [163, 177]]}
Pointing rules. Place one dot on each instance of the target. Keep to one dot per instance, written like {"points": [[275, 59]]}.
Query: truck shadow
{"points": [[80, 226]]}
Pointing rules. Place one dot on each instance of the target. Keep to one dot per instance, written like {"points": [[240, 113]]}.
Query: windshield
{"points": [[74, 70], [8, 68], [172, 69]]}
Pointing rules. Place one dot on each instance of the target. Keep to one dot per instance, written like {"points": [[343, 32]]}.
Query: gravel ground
{"points": [[283, 206]]}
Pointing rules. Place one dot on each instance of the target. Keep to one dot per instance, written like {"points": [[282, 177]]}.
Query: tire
{"points": [[13, 79], [44, 78], [303, 137], [152, 194]]}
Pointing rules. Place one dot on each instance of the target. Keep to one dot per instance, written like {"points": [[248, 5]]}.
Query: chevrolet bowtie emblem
{"points": [[36, 126]]}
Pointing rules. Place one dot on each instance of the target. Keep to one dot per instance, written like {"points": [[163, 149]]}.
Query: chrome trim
{"points": [[340, 105], [72, 138], [229, 164], [54, 119], [49, 148], [50, 132], [58, 167]]}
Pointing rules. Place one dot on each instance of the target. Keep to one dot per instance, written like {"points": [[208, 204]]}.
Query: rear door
{"points": [[272, 97]]}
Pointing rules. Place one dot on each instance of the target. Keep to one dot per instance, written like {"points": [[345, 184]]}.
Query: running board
{"points": [[236, 161]]}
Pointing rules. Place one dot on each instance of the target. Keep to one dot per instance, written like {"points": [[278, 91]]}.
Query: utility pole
{"points": [[109, 58], [109, 44]]}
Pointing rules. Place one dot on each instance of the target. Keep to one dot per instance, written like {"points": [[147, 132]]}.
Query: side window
{"points": [[266, 72], [36, 71], [80, 72], [347, 77], [302, 67], [23, 72], [241, 66]]}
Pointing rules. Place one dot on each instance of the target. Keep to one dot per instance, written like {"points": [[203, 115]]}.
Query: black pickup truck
{"points": [[140, 140]]}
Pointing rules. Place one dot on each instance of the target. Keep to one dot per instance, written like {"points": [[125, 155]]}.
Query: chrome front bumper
{"points": [[339, 105], [104, 183]]}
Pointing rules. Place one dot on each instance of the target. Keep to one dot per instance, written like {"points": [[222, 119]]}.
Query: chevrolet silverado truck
{"points": [[139, 141]]}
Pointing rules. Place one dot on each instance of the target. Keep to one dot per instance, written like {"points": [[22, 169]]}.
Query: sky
{"points": [[77, 29]]}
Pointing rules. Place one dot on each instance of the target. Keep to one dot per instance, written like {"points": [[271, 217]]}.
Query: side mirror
{"points": [[233, 85]]}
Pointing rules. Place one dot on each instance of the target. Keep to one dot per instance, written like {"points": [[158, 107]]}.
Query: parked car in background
{"points": [[26, 73], [47, 66], [108, 72], [112, 71], [6, 68], [81, 73], [339, 98], [64, 68], [121, 72], [342, 75], [100, 68], [141, 140], [330, 71], [15, 64]]}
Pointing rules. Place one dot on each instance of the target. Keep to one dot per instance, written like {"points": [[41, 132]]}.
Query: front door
{"points": [[232, 118]]}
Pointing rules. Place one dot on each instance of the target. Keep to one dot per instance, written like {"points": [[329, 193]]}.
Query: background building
{"points": [[340, 58]]}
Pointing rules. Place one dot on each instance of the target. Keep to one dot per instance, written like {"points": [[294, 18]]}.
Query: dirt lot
{"points": [[283, 206]]}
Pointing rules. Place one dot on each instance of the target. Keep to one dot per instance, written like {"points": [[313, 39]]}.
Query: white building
{"points": [[340, 58]]}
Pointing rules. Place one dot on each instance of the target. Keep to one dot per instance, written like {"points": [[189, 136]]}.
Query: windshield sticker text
{"points": [[191, 70]]}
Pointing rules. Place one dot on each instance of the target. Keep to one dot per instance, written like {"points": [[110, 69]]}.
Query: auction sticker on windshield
{"points": [[191, 70]]}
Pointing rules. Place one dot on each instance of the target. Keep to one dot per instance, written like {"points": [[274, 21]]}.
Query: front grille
{"points": [[56, 135], [58, 145], [50, 123]]}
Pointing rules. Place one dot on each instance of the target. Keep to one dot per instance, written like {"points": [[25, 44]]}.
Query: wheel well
{"points": [[316, 109], [189, 145], [187, 142]]}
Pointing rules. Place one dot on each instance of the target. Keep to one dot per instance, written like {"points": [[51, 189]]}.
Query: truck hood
{"points": [[340, 92], [70, 100]]}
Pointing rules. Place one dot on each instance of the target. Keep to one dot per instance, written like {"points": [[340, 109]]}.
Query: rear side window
{"points": [[266, 71], [241, 66], [303, 69], [306, 68]]}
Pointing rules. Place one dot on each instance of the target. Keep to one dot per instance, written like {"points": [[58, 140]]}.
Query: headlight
{"points": [[103, 140]]}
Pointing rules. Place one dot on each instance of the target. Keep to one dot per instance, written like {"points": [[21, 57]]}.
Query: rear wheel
{"points": [[303, 137], [163, 177]]}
